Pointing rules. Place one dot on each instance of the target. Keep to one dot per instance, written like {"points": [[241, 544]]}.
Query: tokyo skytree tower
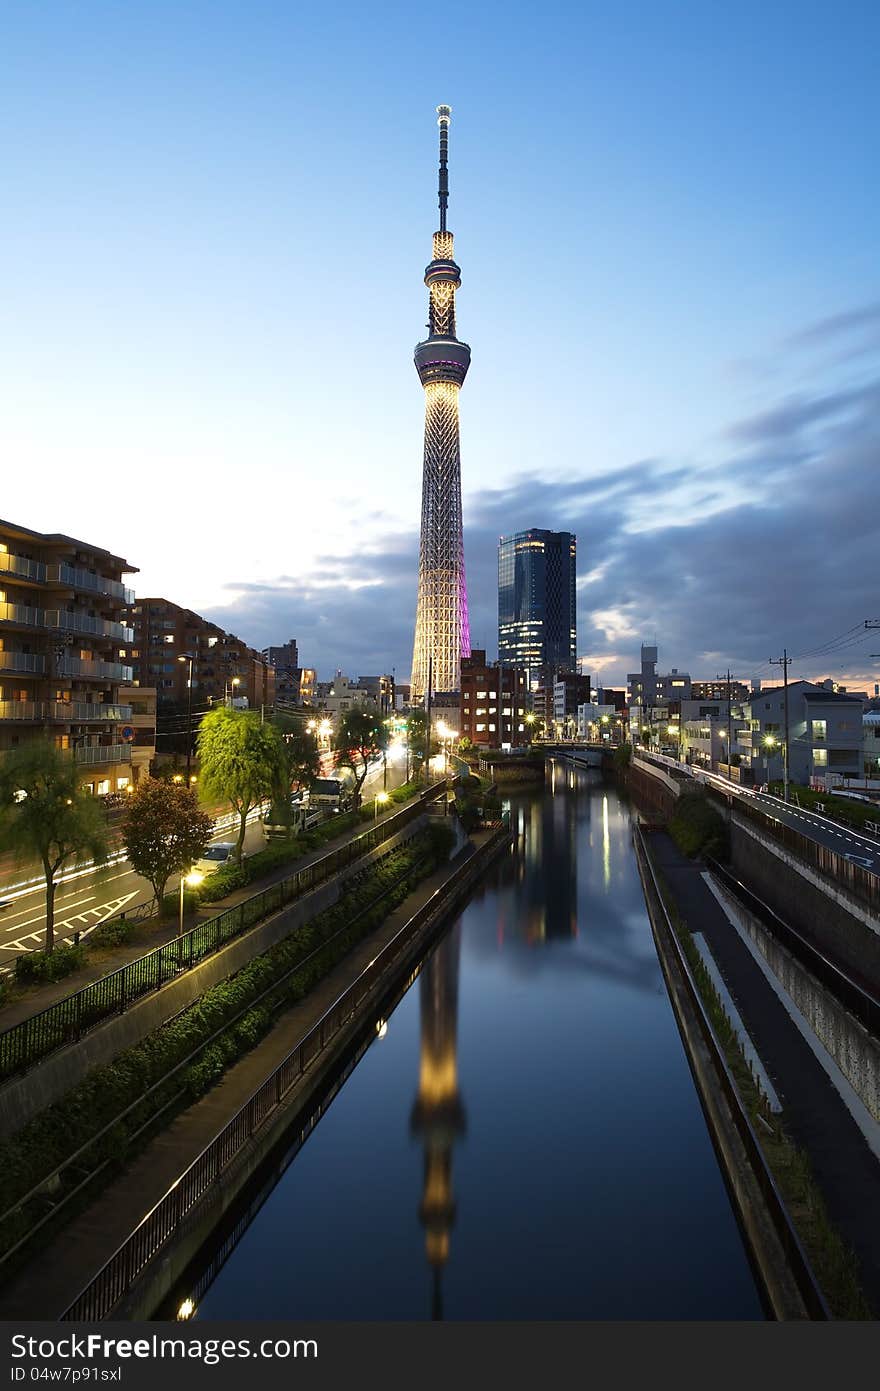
{"points": [[442, 631]]}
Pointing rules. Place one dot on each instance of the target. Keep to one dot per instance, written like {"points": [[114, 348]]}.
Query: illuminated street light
{"points": [[381, 797], [192, 878]]}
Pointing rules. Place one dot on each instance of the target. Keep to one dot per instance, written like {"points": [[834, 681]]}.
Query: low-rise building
{"points": [[825, 733], [492, 702]]}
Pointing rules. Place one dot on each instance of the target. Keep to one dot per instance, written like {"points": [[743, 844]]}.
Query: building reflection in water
{"points": [[549, 843], [438, 1114]]}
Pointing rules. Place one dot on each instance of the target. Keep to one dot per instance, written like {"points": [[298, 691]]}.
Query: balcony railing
{"points": [[22, 615], [18, 565], [98, 671], [71, 620], [65, 620], [31, 662], [102, 753], [64, 711], [84, 579]]}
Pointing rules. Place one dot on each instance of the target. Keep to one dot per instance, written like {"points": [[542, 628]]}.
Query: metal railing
{"points": [[861, 882], [856, 995], [94, 754], [69, 1019], [119, 1273], [75, 621], [84, 579], [101, 671], [18, 565], [31, 662], [23, 615], [62, 710], [798, 1261]]}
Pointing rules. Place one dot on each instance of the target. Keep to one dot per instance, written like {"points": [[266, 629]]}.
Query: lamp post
{"points": [[229, 689], [381, 797], [192, 878], [188, 657]]}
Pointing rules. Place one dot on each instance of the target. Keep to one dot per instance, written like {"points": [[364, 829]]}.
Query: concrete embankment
{"points": [[22, 1098], [54, 1278], [780, 1282]]}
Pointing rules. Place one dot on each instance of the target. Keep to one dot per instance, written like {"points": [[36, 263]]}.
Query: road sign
{"points": [[127, 732]]}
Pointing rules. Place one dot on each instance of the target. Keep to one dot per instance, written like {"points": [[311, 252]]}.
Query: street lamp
{"points": [[188, 657], [192, 878], [381, 797], [236, 681]]}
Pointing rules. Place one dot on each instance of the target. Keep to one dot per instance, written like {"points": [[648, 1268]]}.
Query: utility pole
{"points": [[784, 661], [719, 677]]}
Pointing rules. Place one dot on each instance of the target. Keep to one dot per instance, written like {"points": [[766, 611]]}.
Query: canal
{"points": [[523, 1140]]}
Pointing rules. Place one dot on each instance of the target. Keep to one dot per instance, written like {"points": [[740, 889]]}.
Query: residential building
{"points": [[380, 689], [224, 667], [570, 690], [284, 661], [717, 690], [142, 700], [63, 651], [492, 702], [826, 733], [537, 602], [341, 694], [599, 723], [871, 741]]}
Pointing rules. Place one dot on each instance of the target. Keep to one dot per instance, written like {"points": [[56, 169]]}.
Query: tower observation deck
{"points": [[442, 634]]}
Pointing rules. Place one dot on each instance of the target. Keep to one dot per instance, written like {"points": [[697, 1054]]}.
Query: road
{"points": [[862, 850], [87, 897]]}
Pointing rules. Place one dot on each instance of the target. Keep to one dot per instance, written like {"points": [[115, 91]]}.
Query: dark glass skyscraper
{"points": [[537, 603]]}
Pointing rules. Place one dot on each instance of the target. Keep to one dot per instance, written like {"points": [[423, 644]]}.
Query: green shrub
{"points": [[622, 756], [171, 903], [698, 828], [48, 966], [222, 882], [112, 933]]}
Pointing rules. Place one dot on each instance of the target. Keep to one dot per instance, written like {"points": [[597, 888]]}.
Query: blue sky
{"points": [[216, 222]]}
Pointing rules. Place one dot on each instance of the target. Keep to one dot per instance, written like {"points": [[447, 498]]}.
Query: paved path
{"points": [[46, 1287], [814, 1113]]}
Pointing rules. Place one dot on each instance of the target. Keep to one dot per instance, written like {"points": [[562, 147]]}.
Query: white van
{"points": [[217, 857]]}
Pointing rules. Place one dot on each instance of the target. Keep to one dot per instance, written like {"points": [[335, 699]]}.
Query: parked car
{"points": [[217, 857]]}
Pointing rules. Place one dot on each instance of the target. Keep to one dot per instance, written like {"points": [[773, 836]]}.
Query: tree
{"points": [[360, 737], [240, 760], [45, 812], [303, 758], [164, 831]]}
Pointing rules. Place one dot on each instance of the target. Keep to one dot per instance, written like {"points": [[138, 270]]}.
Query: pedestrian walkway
{"points": [[815, 1116], [55, 1276], [103, 961]]}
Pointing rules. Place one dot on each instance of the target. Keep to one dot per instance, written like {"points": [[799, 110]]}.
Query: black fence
{"points": [[797, 1258], [855, 995], [112, 1282], [69, 1019]]}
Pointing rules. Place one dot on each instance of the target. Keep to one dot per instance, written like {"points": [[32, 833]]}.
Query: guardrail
{"points": [[69, 1019], [116, 1277], [855, 997], [861, 882], [798, 1261]]}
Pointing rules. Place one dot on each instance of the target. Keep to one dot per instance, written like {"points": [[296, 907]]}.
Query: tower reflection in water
{"points": [[438, 1114]]}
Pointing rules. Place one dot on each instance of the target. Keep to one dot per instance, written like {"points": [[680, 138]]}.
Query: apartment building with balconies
{"points": [[224, 667], [63, 650]]}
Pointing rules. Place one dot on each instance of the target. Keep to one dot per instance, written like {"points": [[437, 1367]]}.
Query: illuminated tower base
{"points": [[442, 630]]}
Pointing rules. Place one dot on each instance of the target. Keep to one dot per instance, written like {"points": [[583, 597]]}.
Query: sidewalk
{"points": [[814, 1114], [51, 1281], [151, 934]]}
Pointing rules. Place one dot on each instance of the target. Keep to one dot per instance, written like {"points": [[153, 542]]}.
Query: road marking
{"points": [[40, 916]]}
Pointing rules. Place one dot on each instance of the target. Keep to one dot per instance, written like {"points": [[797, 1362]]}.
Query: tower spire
{"points": [[444, 114], [442, 634]]}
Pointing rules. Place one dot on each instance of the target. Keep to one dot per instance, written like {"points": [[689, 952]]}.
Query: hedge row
{"points": [[41, 1146], [698, 828]]}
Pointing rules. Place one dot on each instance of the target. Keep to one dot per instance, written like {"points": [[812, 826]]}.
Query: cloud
{"points": [[772, 547]]}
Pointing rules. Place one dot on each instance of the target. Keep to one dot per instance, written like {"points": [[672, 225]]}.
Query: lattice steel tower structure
{"points": [[442, 631]]}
